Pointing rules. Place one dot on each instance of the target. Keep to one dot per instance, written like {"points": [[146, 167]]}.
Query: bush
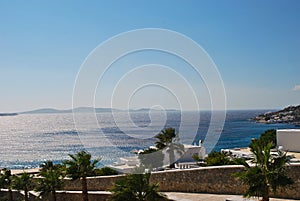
{"points": [[216, 158], [105, 171], [269, 136]]}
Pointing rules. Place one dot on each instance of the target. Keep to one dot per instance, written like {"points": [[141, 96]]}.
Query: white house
{"points": [[127, 164], [190, 151], [288, 139]]}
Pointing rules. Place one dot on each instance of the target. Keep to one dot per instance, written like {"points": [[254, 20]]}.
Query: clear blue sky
{"points": [[255, 45]]}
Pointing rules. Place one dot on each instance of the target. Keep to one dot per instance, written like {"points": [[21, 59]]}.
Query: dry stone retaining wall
{"points": [[100, 183], [217, 180]]}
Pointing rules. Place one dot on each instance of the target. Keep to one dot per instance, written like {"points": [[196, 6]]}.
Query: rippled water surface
{"points": [[28, 139]]}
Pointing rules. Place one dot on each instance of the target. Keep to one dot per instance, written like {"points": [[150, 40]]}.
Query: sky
{"points": [[255, 46]]}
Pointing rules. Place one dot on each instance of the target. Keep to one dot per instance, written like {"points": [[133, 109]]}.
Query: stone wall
{"points": [[71, 196], [217, 180], [100, 183], [205, 180], [293, 191], [16, 195]]}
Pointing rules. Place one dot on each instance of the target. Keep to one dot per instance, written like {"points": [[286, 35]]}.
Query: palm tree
{"points": [[165, 137], [52, 179], [268, 172], [6, 182], [136, 187], [23, 182], [80, 167], [46, 166], [169, 140]]}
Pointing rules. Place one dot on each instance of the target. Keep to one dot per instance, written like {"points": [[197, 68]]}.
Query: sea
{"points": [[27, 140]]}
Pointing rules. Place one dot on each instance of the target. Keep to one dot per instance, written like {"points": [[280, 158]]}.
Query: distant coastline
{"points": [[8, 114], [290, 115], [85, 110]]}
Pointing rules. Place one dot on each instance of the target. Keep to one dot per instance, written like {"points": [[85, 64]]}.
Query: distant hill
{"points": [[290, 114], [8, 114], [148, 109], [44, 111], [82, 110], [77, 110]]}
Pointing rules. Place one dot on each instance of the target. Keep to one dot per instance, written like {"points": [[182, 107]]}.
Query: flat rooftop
{"points": [[290, 130], [296, 155]]}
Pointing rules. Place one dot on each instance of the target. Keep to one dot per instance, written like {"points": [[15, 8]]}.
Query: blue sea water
{"points": [[29, 139]]}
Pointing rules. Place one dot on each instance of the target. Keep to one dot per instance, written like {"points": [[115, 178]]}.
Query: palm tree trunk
{"points": [[84, 189], [54, 195], [266, 197], [10, 195], [26, 194]]}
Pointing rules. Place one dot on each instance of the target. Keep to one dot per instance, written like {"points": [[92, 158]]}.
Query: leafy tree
{"points": [[269, 136], [268, 172], [51, 180], [23, 182], [80, 167], [136, 187], [216, 158], [165, 138], [6, 182], [105, 171], [168, 140], [46, 166]]}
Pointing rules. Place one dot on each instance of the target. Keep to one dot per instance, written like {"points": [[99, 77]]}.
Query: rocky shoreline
{"points": [[290, 114]]}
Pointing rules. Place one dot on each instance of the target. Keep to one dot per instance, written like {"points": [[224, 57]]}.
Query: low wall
{"points": [[216, 180], [71, 196], [100, 183], [16, 195]]}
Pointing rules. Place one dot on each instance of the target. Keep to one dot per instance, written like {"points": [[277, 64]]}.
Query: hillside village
{"points": [[290, 114]]}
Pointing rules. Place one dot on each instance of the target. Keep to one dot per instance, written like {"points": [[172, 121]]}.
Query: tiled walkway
{"points": [[211, 197]]}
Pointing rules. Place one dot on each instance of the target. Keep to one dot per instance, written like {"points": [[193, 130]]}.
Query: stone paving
{"points": [[211, 197]]}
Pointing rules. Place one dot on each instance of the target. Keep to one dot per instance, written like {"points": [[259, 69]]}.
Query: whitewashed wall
{"points": [[289, 139]]}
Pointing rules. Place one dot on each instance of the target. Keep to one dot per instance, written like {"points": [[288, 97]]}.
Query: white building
{"points": [[239, 152], [128, 164], [190, 151], [288, 139]]}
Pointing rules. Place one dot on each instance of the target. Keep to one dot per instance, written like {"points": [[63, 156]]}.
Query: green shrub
{"points": [[269, 136], [105, 171]]}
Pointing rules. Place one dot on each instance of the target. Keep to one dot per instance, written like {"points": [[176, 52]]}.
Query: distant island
{"points": [[84, 110], [76, 110], [8, 114], [290, 114]]}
